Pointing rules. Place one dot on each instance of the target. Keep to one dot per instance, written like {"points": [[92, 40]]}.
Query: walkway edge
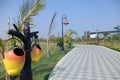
{"points": [[53, 72]]}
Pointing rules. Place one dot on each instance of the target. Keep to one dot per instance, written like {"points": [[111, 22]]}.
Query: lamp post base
{"points": [[62, 52]]}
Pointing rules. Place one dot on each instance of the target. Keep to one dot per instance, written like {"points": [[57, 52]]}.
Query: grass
{"points": [[2, 70], [41, 70]]}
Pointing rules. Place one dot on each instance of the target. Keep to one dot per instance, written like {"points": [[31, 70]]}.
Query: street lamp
{"points": [[64, 22]]}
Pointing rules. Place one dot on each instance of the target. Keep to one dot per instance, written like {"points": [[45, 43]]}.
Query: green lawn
{"points": [[42, 69]]}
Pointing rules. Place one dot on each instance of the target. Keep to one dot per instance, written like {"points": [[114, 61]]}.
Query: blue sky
{"points": [[83, 15]]}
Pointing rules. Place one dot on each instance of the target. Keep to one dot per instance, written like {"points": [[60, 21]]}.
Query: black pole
{"points": [[62, 51], [98, 38], [64, 21], [26, 73]]}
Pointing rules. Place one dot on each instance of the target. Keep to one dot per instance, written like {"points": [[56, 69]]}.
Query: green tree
{"points": [[59, 43], [53, 38], [68, 37]]}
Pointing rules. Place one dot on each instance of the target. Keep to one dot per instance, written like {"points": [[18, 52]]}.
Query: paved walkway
{"points": [[88, 62]]}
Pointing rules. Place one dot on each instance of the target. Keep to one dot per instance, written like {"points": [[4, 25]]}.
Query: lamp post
{"points": [[97, 31], [64, 22]]}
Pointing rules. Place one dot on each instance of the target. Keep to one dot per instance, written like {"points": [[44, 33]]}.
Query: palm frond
{"points": [[2, 47], [51, 24], [28, 9]]}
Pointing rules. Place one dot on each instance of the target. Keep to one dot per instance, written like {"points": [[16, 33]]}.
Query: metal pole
{"points": [[62, 51], [97, 37]]}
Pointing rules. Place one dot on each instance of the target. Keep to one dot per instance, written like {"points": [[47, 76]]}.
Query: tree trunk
{"points": [[26, 73]]}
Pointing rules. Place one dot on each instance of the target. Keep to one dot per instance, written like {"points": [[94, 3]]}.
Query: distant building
{"points": [[93, 35]]}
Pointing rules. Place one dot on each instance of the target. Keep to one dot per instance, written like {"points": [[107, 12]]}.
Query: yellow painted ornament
{"points": [[14, 61], [36, 53]]}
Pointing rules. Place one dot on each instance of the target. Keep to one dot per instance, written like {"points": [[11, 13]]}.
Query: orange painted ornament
{"points": [[14, 61], [36, 53]]}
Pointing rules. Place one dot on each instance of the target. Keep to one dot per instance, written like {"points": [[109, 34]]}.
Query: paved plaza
{"points": [[88, 62]]}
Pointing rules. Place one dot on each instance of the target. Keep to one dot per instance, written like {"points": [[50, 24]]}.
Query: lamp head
{"points": [[65, 22]]}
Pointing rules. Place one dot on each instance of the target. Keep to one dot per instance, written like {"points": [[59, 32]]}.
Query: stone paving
{"points": [[88, 62]]}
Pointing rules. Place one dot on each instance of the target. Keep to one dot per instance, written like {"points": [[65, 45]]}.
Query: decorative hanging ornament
{"points": [[36, 52], [14, 60]]}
